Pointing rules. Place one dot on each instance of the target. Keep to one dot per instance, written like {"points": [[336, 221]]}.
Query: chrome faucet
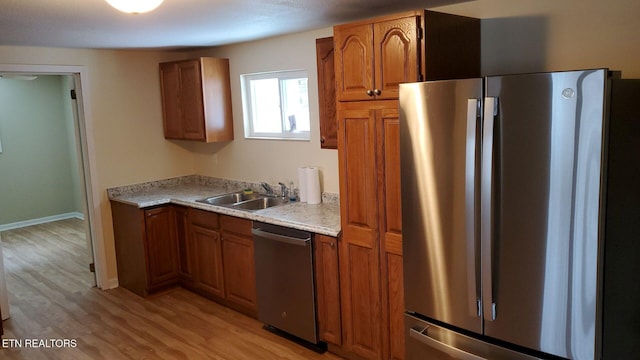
{"points": [[267, 188], [284, 191]]}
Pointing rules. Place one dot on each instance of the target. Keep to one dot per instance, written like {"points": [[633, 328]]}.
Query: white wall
{"points": [[552, 35], [38, 178], [517, 36], [270, 160], [125, 123]]}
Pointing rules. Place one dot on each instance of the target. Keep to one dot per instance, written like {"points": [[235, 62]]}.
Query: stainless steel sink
{"points": [[262, 203], [240, 200], [229, 199]]}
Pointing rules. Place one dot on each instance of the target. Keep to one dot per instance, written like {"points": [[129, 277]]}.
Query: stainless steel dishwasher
{"points": [[284, 282]]}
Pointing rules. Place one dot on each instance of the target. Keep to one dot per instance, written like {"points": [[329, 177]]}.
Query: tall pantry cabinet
{"points": [[371, 59]]}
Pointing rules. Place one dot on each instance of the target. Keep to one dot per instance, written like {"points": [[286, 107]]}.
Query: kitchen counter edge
{"points": [[321, 219]]}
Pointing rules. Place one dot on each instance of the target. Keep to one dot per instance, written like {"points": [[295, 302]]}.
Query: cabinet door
{"points": [[161, 246], [396, 48], [328, 288], [327, 93], [388, 127], [185, 246], [390, 215], [446, 37], [239, 271], [354, 62], [129, 236], [208, 260], [359, 254], [357, 169], [170, 88], [196, 100], [395, 305], [216, 94], [191, 103]]}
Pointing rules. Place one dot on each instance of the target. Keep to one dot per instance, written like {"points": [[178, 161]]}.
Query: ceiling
{"points": [[179, 23]]}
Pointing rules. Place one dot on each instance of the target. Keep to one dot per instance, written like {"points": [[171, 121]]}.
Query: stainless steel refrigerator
{"points": [[505, 217]]}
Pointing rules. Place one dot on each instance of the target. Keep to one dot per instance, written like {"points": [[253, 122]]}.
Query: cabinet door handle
{"points": [[322, 140], [377, 92], [370, 92], [332, 244]]}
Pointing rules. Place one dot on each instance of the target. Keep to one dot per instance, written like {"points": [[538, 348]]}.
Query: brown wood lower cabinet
{"points": [[238, 263], [204, 254], [208, 260], [208, 253], [395, 306], [328, 289], [146, 247], [160, 246], [185, 246], [371, 278], [220, 259], [390, 225]]}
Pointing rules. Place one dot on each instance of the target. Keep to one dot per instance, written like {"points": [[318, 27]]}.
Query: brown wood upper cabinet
{"points": [[373, 57], [196, 100], [327, 93]]}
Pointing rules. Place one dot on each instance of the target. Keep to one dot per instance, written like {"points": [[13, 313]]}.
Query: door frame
{"points": [[80, 76]]}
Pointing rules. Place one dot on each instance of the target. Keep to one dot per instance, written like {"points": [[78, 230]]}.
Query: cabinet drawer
{"points": [[235, 225], [203, 218]]}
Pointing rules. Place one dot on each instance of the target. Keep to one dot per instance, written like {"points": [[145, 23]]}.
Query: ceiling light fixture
{"points": [[135, 6]]}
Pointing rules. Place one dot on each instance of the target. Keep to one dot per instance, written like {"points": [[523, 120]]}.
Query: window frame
{"points": [[248, 107]]}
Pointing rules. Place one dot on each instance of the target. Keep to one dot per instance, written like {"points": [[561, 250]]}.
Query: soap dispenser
{"points": [[292, 194]]}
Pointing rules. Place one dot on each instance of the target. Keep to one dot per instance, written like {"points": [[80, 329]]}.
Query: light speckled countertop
{"points": [[322, 218]]}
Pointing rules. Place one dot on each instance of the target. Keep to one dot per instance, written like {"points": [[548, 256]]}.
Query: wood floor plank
{"points": [[51, 298]]}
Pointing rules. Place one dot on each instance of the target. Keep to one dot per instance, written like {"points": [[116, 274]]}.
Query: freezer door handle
{"points": [[473, 114], [420, 333], [486, 213]]}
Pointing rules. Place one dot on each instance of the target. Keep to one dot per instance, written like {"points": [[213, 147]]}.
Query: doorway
{"points": [[74, 75], [41, 163]]}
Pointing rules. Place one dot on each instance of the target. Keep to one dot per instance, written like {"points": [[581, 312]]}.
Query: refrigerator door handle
{"points": [[420, 333], [486, 215], [473, 114]]}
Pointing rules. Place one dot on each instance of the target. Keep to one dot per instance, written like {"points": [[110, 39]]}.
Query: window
{"points": [[276, 105]]}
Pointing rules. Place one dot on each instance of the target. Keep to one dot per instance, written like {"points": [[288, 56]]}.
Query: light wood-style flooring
{"points": [[51, 298]]}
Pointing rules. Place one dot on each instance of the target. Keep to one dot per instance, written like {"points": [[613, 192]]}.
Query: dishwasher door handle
{"points": [[281, 238]]}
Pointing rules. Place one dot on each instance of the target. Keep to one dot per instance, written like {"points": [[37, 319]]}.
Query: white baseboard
{"points": [[111, 284], [42, 220]]}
